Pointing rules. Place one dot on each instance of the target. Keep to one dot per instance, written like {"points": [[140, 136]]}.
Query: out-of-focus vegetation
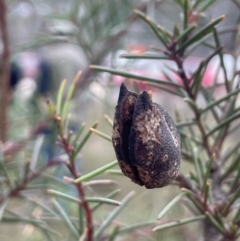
{"points": [[190, 58]]}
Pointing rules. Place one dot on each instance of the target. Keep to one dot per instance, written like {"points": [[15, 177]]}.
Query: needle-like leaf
{"points": [[96, 172], [134, 76], [170, 205], [178, 223], [66, 219], [202, 32], [112, 215]]}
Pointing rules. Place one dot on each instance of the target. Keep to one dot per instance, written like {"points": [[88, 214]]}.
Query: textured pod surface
{"points": [[146, 140], [121, 130]]}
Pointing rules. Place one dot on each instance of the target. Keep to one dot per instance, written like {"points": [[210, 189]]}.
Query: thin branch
{"points": [[72, 168], [5, 72], [182, 74], [32, 175]]}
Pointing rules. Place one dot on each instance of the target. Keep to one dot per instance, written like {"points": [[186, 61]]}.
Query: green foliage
{"points": [[206, 136], [71, 143], [209, 193]]}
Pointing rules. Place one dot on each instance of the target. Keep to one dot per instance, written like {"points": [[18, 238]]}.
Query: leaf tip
{"points": [[136, 11], [68, 179], [154, 229], [92, 129], [78, 180], [148, 19], [78, 75], [222, 17]]}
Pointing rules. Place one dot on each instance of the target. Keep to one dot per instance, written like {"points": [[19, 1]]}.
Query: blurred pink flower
{"points": [[157, 69]]}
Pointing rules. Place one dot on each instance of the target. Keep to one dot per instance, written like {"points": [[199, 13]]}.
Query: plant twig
{"points": [[32, 175], [72, 168], [5, 72]]}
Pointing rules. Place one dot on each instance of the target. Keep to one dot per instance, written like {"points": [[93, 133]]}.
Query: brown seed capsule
{"points": [[121, 130], [146, 140]]}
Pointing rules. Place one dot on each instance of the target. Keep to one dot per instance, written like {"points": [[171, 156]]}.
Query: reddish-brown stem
{"points": [[72, 168], [207, 208], [84, 204], [5, 71], [186, 82], [184, 182]]}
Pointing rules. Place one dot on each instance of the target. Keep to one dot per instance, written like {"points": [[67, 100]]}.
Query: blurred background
{"points": [[51, 41]]}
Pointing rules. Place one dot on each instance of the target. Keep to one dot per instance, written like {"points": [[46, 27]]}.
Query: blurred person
{"points": [[36, 75]]}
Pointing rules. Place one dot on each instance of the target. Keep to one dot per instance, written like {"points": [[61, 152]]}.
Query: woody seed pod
{"points": [[146, 140]]}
